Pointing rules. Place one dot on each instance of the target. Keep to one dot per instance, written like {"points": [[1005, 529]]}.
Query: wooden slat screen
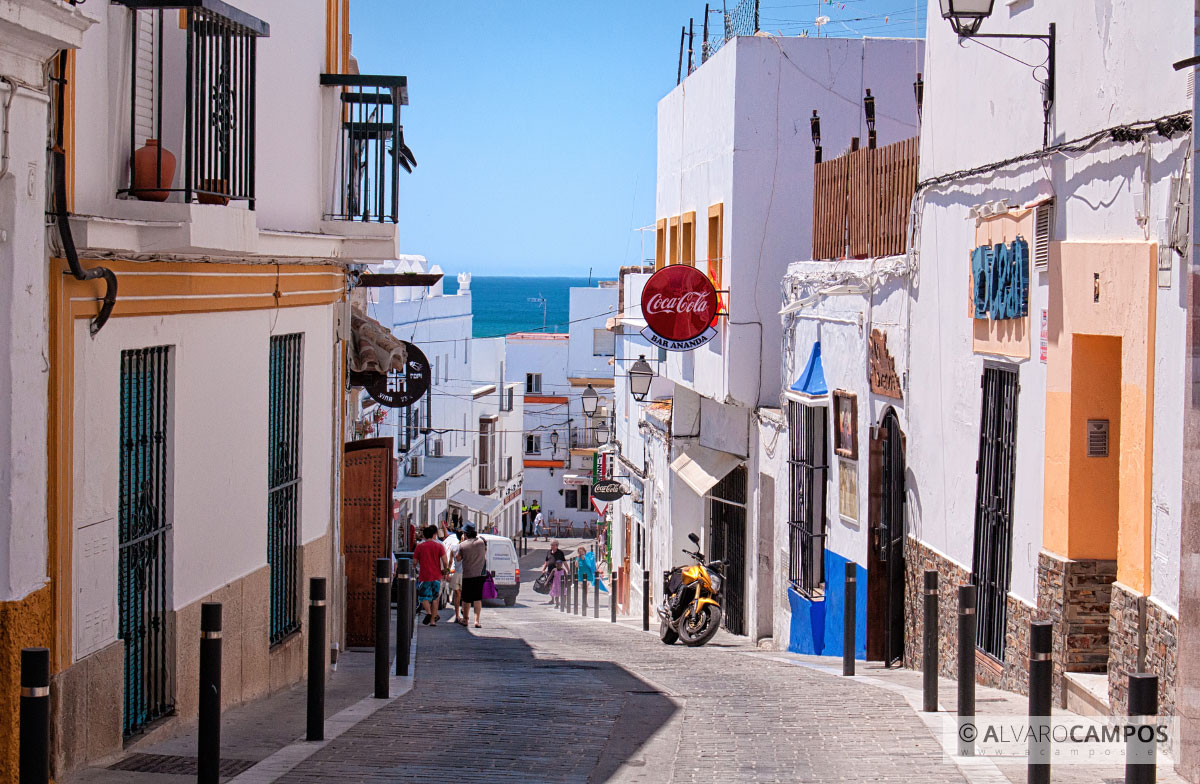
{"points": [[861, 202]]}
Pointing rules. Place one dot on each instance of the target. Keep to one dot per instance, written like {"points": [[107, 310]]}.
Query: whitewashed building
{"points": [[188, 315], [1044, 403], [555, 370], [734, 198]]}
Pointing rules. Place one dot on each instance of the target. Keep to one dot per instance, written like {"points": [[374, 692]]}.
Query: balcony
{"points": [[370, 148], [192, 91], [584, 438]]}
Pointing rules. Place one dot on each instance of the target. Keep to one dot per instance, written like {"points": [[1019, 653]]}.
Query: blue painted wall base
{"points": [[817, 625]]}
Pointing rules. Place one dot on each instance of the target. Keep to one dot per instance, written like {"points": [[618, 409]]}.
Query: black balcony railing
{"points": [[370, 147], [208, 69]]}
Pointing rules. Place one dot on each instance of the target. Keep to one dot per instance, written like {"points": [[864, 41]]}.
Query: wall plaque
{"points": [[882, 368]]}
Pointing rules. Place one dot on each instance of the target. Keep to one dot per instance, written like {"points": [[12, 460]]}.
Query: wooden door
{"points": [[877, 583], [366, 530]]}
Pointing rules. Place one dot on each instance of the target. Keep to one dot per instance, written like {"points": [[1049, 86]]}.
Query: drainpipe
{"points": [[62, 221]]}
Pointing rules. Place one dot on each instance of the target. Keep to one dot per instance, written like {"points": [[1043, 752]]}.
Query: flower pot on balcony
{"points": [[213, 192], [149, 181]]}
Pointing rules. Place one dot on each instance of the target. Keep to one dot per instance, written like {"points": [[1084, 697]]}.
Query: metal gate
{"points": [[991, 565], [143, 528], [283, 508], [727, 542]]}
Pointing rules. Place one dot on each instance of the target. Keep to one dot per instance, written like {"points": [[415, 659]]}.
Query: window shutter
{"points": [[1044, 230], [147, 67]]}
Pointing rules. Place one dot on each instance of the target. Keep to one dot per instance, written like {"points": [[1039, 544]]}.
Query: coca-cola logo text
{"points": [[679, 302]]}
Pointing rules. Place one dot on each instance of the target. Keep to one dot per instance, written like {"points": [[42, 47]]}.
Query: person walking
{"points": [[432, 563], [587, 568], [454, 580], [555, 564], [472, 561], [539, 524]]}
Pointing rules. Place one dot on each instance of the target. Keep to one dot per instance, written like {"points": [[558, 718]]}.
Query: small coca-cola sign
{"points": [[679, 303]]}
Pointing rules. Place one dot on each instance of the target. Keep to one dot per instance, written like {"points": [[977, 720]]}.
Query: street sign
{"points": [[396, 390], [608, 490]]}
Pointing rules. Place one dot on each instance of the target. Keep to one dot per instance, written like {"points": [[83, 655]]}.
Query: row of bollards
{"points": [[34, 712], [1140, 766]]}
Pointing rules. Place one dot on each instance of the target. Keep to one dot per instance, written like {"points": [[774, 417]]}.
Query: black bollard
{"points": [[575, 587], [596, 593], [583, 595], [383, 627], [1041, 677], [966, 671], [208, 735], [848, 618], [34, 727], [404, 621], [1140, 750], [929, 659], [316, 659], [645, 600], [612, 594]]}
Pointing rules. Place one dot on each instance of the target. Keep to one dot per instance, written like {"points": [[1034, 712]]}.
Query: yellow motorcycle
{"points": [[691, 609]]}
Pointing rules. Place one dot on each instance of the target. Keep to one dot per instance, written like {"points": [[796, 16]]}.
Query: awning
{"points": [[374, 349], [437, 470], [812, 381], [702, 467], [474, 502]]}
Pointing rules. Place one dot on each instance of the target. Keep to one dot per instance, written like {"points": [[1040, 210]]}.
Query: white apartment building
{"points": [[560, 439], [734, 198], [192, 451]]}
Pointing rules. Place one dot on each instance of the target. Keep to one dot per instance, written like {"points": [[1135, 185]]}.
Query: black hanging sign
{"points": [[608, 490], [399, 389]]}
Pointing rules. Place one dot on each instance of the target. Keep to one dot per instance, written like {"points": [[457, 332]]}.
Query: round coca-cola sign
{"points": [[679, 302]]}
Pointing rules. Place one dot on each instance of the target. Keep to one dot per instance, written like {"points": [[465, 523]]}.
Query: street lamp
{"points": [[815, 125], [553, 442], [602, 431], [966, 15], [919, 93], [965, 18], [640, 376], [869, 108], [590, 401]]}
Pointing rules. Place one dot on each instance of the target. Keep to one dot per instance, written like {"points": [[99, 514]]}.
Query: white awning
{"points": [[474, 502], [437, 470], [702, 467]]}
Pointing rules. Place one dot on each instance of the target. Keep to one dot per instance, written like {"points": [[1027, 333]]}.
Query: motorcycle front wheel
{"points": [[666, 633], [695, 629]]}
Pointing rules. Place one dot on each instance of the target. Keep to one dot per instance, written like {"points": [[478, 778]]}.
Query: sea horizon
{"points": [[500, 304]]}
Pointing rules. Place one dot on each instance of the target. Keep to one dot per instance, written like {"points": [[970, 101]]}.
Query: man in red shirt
{"points": [[432, 563]]}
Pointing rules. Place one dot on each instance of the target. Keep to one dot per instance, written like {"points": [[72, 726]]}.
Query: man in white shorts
{"points": [[454, 582]]}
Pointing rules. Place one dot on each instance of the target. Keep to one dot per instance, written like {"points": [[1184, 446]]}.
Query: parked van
{"points": [[502, 559]]}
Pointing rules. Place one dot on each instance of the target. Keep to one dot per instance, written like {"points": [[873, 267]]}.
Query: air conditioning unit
{"points": [[416, 465], [437, 447]]}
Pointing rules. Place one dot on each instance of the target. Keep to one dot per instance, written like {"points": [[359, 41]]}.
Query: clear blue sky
{"points": [[534, 123]]}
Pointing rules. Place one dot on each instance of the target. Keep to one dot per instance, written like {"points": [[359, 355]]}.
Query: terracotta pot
{"points": [[215, 186], [148, 179]]}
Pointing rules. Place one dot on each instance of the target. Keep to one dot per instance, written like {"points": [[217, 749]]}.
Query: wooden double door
{"points": [[367, 481], [885, 558]]}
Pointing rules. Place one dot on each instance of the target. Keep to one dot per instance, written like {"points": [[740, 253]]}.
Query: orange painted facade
{"points": [[1099, 365]]}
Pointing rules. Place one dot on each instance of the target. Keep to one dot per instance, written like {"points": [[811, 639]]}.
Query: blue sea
{"points": [[503, 305]]}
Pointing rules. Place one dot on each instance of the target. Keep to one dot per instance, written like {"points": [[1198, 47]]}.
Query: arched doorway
{"points": [[885, 561]]}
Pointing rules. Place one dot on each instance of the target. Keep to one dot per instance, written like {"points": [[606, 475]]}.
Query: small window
{"points": [[660, 244], [533, 445], [437, 368], [604, 343], [533, 383], [571, 499], [584, 497], [673, 238], [688, 239], [1044, 232]]}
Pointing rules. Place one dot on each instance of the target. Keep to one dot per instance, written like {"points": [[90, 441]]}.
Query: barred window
{"points": [[283, 497], [808, 470]]}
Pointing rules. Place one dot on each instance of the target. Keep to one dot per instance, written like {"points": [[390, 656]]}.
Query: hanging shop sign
{"points": [[680, 305], [398, 388], [608, 490], [1000, 280], [576, 480], [884, 379]]}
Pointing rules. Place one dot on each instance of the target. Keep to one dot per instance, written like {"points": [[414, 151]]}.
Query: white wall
{"points": [[737, 132], [590, 309], [980, 107], [218, 429]]}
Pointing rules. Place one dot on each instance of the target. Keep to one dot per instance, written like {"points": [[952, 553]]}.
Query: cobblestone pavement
{"points": [[539, 696]]}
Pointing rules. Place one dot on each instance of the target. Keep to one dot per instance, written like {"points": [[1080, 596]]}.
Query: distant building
{"points": [[555, 371]]}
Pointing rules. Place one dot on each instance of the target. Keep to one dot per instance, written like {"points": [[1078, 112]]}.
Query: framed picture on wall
{"points": [[848, 490], [845, 418]]}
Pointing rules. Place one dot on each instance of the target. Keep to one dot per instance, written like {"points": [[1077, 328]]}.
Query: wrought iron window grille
{"points": [[212, 62], [808, 470], [370, 147], [284, 482]]}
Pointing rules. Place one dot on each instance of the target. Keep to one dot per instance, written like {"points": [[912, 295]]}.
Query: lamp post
{"points": [[966, 16], [640, 376], [815, 124], [869, 108], [602, 431], [919, 93]]}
